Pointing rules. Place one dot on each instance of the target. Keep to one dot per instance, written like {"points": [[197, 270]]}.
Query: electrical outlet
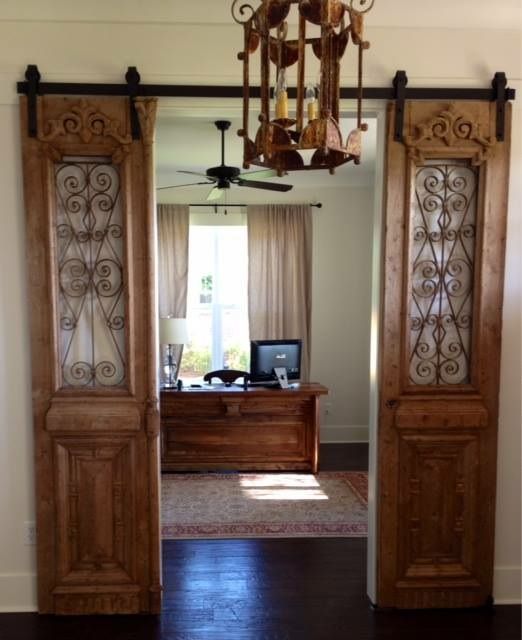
{"points": [[29, 533], [328, 408]]}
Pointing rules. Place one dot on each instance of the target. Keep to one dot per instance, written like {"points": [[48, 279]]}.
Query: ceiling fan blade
{"points": [[263, 173], [175, 186], [195, 173], [269, 186], [215, 194]]}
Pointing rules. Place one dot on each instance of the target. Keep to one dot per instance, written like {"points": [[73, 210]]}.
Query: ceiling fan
{"points": [[223, 176]]}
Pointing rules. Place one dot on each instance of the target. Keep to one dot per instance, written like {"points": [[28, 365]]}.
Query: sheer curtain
{"points": [[280, 274], [173, 237]]}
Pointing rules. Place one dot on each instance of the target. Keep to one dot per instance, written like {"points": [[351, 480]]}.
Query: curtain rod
{"points": [[312, 204]]}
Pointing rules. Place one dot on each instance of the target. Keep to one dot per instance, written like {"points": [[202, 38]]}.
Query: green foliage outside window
{"points": [[205, 294], [196, 362], [236, 358]]}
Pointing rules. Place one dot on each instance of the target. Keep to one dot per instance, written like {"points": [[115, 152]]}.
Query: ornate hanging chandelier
{"points": [[311, 136]]}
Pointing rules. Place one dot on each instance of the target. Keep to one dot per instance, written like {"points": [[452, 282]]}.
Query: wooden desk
{"points": [[217, 427]]}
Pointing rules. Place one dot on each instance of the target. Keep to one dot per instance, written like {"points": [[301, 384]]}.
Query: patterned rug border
{"points": [[358, 481]]}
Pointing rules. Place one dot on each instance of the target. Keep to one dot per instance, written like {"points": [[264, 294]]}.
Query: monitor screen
{"points": [[265, 355]]}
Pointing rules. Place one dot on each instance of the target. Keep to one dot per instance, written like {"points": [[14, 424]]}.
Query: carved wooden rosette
{"points": [[89, 202], [444, 251], [279, 140]]}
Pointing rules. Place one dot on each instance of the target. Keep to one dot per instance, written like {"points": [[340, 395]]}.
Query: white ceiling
{"points": [[194, 144]]}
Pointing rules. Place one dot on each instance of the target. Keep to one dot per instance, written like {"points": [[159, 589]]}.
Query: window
{"points": [[217, 309]]}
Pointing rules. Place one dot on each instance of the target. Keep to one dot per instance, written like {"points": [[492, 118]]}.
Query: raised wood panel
{"points": [[438, 507], [448, 413], [80, 416], [99, 542], [106, 600], [227, 442]]}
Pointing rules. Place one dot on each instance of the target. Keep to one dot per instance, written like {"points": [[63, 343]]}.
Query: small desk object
{"points": [[216, 427]]}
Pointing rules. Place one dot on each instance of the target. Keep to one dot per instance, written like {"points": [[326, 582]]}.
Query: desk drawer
{"points": [[209, 406], [290, 407], [202, 405]]}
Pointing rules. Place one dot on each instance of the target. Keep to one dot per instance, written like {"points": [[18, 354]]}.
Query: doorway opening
{"points": [[345, 287]]}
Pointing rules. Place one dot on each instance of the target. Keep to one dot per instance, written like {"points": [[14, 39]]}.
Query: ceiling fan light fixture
{"points": [[280, 136], [215, 194]]}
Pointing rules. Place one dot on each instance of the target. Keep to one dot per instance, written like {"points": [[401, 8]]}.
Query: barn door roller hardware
{"points": [[399, 84], [32, 75], [133, 80], [499, 85], [499, 92]]}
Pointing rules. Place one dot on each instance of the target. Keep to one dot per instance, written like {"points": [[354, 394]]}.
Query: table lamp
{"points": [[173, 331]]}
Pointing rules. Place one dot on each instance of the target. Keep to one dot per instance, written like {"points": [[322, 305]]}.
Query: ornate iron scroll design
{"points": [[89, 237], [242, 11], [442, 256]]}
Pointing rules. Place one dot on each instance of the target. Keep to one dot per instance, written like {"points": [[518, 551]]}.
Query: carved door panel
{"points": [[90, 249], [446, 194]]}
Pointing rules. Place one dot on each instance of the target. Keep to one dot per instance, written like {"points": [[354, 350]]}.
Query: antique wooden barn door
{"points": [[90, 232], [446, 196]]}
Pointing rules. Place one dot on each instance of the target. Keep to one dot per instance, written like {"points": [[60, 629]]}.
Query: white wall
{"points": [[507, 577], [17, 562], [342, 255], [96, 41]]}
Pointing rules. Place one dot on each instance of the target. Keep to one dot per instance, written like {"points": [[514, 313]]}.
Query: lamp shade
{"points": [[173, 331]]}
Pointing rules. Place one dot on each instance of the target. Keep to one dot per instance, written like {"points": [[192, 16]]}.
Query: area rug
{"points": [[264, 505]]}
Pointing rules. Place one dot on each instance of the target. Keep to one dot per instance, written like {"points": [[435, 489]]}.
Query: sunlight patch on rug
{"points": [[264, 505], [282, 486]]}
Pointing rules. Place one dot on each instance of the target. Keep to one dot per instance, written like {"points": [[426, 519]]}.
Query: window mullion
{"points": [[217, 316]]}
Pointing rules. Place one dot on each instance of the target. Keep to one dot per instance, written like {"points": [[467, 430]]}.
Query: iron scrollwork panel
{"points": [[442, 257], [91, 284]]}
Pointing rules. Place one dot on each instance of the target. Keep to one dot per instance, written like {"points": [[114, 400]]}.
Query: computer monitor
{"points": [[265, 355]]}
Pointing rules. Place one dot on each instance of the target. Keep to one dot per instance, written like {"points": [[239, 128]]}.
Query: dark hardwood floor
{"points": [[343, 457], [300, 589]]}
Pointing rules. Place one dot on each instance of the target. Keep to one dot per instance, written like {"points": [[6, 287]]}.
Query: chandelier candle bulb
{"points": [[311, 102], [281, 96]]}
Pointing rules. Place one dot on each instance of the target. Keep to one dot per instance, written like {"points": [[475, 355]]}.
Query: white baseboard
{"points": [[344, 433], [507, 585], [17, 592]]}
